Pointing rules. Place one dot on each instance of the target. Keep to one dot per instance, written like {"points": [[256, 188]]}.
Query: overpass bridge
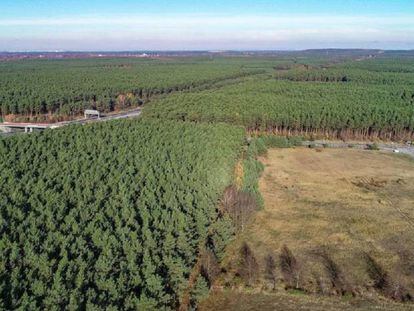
{"points": [[10, 127]]}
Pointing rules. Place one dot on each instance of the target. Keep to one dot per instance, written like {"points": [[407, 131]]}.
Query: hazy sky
{"points": [[201, 25]]}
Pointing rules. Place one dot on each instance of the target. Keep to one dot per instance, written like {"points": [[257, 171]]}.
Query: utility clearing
{"points": [[346, 215]]}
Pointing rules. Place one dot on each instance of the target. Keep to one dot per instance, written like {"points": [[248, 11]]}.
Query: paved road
{"points": [[115, 116], [122, 115]]}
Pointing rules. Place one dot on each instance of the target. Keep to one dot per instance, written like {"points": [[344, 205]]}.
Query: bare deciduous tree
{"points": [[383, 282], [238, 205], [335, 274], [249, 268], [270, 270], [290, 268], [210, 268]]}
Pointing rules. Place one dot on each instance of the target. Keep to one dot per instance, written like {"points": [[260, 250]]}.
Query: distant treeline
{"points": [[351, 102], [67, 87]]}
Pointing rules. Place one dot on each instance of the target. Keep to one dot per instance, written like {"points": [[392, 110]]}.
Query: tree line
{"points": [[341, 109], [65, 88]]}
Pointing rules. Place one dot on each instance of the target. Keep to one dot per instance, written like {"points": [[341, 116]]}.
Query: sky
{"points": [[109, 25]]}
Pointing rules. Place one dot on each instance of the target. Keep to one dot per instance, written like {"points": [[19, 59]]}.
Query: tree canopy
{"points": [[108, 215]]}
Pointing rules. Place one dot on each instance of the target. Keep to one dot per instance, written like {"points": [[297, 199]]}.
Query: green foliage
{"points": [[252, 169], [67, 87], [109, 215], [373, 146], [257, 147], [371, 102], [222, 232], [267, 105], [199, 292]]}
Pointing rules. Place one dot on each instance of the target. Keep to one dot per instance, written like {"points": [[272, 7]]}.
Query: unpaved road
{"points": [[390, 147]]}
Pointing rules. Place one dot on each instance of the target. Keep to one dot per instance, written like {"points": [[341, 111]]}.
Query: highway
{"points": [[6, 128], [115, 116]]}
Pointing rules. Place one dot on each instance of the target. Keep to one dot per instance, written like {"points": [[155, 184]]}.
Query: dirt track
{"points": [[389, 147]]}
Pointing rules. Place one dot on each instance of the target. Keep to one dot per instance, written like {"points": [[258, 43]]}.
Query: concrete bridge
{"points": [[10, 127]]}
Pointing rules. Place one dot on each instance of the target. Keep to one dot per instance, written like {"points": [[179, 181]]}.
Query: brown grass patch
{"points": [[346, 202], [233, 300]]}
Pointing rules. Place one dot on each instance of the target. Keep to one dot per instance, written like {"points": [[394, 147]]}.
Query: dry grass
{"points": [[342, 203], [242, 301]]}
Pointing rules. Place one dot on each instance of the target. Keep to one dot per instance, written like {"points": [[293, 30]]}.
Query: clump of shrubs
{"points": [[373, 146]]}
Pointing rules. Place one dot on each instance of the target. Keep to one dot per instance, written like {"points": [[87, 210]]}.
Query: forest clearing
{"points": [[338, 212]]}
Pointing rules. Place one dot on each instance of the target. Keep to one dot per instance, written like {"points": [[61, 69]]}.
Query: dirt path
{"points": [[389, 147]]}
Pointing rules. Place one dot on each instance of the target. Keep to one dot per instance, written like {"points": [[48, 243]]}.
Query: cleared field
{"points": [[236, 301], [347, 200], [333, 209]]}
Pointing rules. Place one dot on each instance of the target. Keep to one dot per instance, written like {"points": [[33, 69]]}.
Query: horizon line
{"points": [[205, 50]]}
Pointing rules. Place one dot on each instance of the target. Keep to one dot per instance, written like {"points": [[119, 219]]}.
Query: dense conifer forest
{"points": [[348, 100], [363, 97], [66, 87], [109, 215], [136, 214]]}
